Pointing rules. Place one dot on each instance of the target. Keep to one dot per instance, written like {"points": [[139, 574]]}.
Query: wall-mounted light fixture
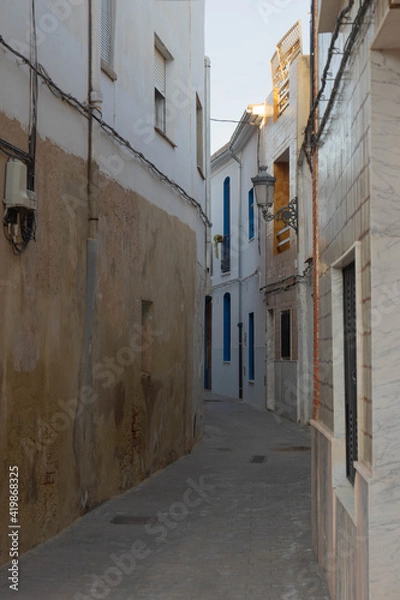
{"points": [[264, 185]]}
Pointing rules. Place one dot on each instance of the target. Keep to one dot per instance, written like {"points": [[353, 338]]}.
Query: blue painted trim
{"points": [[227, 327]]}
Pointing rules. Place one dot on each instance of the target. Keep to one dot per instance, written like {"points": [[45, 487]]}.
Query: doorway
{"points": [[208, 343]]}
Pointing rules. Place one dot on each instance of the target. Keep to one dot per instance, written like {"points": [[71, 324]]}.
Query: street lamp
{"points": [[264, 185]]}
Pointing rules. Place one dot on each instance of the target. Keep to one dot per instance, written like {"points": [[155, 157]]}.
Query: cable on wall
{"points": [[20, 222], [108, 129], [33, 102], [13, 152], [312, 139], [276, 287]]}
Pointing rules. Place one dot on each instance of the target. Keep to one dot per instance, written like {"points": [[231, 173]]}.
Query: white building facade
{"points": [[238, 322]]}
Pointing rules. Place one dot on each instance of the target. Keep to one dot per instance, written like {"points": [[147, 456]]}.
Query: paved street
{"points": [[231, 521]]}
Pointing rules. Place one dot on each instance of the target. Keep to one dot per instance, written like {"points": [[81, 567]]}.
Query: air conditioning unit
{"points": [[17, 195]]}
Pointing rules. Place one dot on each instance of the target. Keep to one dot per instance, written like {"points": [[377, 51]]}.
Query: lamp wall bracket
{"points": [[287, 215]]}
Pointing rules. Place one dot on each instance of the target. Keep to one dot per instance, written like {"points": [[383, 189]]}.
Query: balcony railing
{"points": [[287, 50], [226, 255]]}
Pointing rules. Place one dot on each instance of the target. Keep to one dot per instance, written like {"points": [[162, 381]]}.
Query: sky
{"points": [[241, 36]]}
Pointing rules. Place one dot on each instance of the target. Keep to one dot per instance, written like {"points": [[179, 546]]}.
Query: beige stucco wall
{"points": [[73, 455], [289, 383]]}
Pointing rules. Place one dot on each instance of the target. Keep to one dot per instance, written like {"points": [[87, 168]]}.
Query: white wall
{"points": [[243, 280], [62, 35], [128, 102]]}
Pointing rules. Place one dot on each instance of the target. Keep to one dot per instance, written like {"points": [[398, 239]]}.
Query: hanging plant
{"points": [[218, 239]]}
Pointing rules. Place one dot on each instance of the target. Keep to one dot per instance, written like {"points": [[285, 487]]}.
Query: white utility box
{"points": [[17, 195]]}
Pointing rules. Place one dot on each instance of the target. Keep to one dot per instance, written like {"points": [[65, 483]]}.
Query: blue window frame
{"points": [[226, 246], [227, 328], [251, 346], [251, 214]]}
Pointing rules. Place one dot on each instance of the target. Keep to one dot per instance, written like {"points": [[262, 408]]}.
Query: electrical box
{"points": [[17, 195]]}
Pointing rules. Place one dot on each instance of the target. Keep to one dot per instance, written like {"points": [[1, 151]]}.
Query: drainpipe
{"points": [[84, 424], [33, 101], [207, 149], [240, 324], [95, 101], [314, 42]]}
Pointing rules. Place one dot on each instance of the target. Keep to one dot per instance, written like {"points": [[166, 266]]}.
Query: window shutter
{"points": [[106, 31], [159, 71]]}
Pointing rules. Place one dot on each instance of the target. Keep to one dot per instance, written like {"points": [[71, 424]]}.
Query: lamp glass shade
{"points": [[264, 185]]}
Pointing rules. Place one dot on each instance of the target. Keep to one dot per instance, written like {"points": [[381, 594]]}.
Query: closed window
{"points": [[251, 214], [226, 245], [107, 31], [227, 328], [160, 84]]}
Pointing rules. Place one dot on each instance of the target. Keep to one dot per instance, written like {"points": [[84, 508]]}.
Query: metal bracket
{"points": [[287, 214]]}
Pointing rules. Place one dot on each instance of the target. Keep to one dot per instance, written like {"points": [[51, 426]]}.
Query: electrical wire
{"points": [[287, 282], [312, 138], [229, 121], [108, 129], [19, 222], [34, 102], [19, 228], [236, 280], [13, 152], [347, 51]]}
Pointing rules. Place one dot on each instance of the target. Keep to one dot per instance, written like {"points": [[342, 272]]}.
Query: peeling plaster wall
{"points": [[75, 454], [101, 341]]}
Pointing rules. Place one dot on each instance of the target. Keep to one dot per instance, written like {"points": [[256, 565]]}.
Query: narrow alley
{"points": [[231, 521]]}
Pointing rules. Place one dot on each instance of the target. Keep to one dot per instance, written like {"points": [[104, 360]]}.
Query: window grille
{"points": [[287, 50], [350, 368]]}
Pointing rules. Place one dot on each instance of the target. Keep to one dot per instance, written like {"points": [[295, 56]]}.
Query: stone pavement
{"points": [[231, 521]]}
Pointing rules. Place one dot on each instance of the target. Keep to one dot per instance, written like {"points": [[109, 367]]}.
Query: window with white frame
{"points": [[107, 16], [160, 84]]}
